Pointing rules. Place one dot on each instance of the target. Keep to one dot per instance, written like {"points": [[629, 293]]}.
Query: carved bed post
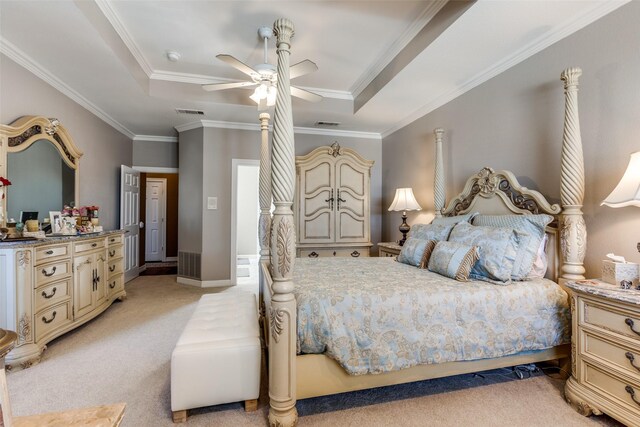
{"points": [[438, 186], [573, 232], [282, 331], [264, 226]]}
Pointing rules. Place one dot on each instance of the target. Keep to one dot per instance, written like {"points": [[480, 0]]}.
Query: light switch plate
{"points": [[212, 203]]}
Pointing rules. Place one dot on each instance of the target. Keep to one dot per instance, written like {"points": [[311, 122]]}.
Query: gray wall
{"points": [[104, 148], [155, 154], [190, 192], [220, 146], [515, 121], [247, 210]]}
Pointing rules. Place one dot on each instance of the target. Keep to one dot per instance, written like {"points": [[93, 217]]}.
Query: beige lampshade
{"points": [[404, 201], [627, 192]]}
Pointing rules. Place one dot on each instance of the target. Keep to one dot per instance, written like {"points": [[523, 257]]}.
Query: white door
{"points": [[155, 221], [129, 217]]}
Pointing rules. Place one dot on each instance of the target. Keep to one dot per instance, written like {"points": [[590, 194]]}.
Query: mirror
{"points": [[40, 159], [41, 181]]}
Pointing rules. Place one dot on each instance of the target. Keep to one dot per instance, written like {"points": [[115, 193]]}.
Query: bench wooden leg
{"points": [[180, 416], [251, 405]]}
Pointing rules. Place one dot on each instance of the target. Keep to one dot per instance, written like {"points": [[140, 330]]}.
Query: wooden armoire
{"points": [[332, 203]]}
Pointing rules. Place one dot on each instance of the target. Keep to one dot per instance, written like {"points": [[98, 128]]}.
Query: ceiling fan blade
{"points": [[220, 86], [302, 68], [305, 94], [237, 64]]}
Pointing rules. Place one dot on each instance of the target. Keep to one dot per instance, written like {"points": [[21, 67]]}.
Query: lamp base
{"points": [[404, 229]]}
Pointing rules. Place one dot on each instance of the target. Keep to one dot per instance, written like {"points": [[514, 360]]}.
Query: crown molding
{"points": [[385, 58], [25, 61], [155, 138], [510, 61], [112, 16], [256, 127]]}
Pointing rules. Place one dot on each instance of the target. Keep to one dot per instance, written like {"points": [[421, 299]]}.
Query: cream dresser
{"points": [[605, 351], [50, 286], [332, 203]]}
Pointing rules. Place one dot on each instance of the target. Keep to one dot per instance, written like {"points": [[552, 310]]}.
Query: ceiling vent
{"points": [[321, 123], [188, 111]]}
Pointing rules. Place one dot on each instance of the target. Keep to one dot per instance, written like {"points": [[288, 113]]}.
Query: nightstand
{"points": [[605, 351], [388, 249]]}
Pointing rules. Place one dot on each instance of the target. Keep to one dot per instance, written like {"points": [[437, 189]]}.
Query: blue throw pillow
{"points": [[453, 260], [416, 252]]}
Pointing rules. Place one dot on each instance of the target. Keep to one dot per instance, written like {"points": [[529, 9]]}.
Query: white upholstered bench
{"points": [[217, 358]]}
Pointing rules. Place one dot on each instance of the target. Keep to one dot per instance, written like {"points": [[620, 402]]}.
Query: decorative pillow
{"points": [[416, 251], [453, 260], [430, 232], [453, 220], [532, 225], [497, 246], [539, 268]]}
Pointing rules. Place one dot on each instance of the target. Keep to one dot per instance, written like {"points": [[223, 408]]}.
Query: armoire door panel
{"points": [[318, 177], [352, 229], [318, 229], [317, 203], [348, 178]]}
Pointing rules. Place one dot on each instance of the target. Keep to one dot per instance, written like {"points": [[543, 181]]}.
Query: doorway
{"points": [[245, 247], [156, 207]]}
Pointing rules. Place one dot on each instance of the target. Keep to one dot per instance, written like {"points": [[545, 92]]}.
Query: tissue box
{"points": [[615, 272]]}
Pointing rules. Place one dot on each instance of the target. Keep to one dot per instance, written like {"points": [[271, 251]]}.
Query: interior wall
{"points": [[190, 191], [219, 147], [247, 210], [104, 148], [155, 154], [515, 121]]}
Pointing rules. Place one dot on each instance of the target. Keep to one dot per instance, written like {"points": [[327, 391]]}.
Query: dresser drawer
{"points": [[51, 319], [115, 284], [342, 252], [115, 267], [52, 294], [611, 387], [87, 246], [53, 271], [48, 253], [114, 252], [609, 318], [625, 358], [116, 239]]}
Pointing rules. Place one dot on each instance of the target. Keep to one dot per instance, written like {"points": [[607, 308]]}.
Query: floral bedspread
{"points": [[375, 315]]}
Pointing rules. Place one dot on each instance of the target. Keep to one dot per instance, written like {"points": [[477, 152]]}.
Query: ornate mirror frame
{"points": [[19, 136]]}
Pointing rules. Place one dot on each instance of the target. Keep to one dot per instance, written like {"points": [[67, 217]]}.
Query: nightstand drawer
{"points": [[616, 389], [610, 318], [385, 253], [625, 358]]}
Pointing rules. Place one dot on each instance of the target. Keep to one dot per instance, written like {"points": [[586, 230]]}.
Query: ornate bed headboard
{"points": [[499, 193]]}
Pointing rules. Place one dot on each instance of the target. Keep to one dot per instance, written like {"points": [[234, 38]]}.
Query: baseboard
{"points": [[171, 258], [142, 268], [204, 283]]}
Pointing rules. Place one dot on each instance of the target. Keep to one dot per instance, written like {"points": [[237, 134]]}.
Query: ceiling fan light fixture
{"points": [[259, 93], [272, 93]]}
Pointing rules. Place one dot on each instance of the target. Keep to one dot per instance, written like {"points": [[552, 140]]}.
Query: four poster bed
{"points": [[301, 306]]}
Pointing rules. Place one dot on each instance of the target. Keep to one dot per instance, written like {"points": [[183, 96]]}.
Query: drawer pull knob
{"points": [[631, 358], [47, 274], [313, 254], [112, 285], [112, 268], [49, 252], [355, 254], [53, 316], [334, 253], [632, 392], [53, 292], [112, 253], [629, 323], [112, 240], [93, 245]]}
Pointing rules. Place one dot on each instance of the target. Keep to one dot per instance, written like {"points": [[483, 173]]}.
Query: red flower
{"points": [[4, 181]]}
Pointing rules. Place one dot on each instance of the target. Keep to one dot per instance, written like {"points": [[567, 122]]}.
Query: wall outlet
{"points": [[212, 203], [638, 247]]}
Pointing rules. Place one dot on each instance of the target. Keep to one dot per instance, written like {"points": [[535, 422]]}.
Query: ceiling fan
{"points": [[265, 76]]}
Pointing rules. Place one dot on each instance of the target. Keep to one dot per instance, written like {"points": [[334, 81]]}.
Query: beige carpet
{"points": [[123, 356]]}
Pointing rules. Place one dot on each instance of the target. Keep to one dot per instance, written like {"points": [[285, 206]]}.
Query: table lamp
{"points": [[404, 201], [627, 192]]}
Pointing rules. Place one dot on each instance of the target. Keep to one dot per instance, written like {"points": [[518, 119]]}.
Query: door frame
{"points": [[163, 211], [234, 210]]}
